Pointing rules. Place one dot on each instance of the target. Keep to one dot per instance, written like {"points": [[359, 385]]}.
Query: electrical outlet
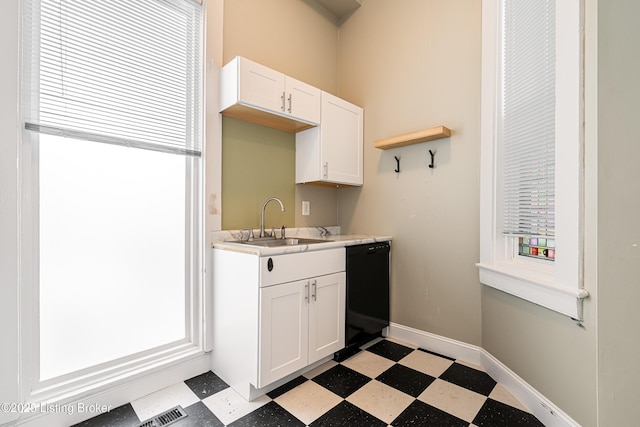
{"points": [[306, 207]]}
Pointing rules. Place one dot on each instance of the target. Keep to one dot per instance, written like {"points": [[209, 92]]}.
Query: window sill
{"points": [[564, 300], [113, 374]]}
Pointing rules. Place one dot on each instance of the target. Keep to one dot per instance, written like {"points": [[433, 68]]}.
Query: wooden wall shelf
{"points": [[430, 134]]}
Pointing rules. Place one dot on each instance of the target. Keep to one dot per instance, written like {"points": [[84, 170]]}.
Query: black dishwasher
{"points": [[367, 301]]}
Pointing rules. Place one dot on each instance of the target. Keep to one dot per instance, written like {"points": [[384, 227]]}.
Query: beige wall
{"points": [[587, 371], [410, 67], [413, 65], [287, 35], [618, 211], [290, 36], [548, 350], [417, 66], [553, 353]]}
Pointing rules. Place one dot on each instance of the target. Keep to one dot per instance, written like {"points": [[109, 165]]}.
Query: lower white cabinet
{"points": [[300, 323], [275, 315]]}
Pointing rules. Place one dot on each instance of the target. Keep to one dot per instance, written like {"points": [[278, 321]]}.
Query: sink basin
{"points": [[270, 243]]}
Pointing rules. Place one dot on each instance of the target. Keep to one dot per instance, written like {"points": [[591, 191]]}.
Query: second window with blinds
{"points": [[531, 151]]}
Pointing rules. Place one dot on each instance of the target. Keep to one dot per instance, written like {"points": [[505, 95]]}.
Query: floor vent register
{"points": [[166, 418]]}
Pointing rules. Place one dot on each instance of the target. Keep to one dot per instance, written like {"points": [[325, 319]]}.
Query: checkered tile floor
{"points": [[388, 383]]}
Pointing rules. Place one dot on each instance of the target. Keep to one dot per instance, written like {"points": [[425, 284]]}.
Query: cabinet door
{"points": [[332, 152], [261, 86], [303, 100], [341, 133], [284, 324], [326, 315]]}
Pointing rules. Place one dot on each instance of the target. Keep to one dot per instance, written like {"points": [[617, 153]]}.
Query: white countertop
{"points": [[227, 240]]}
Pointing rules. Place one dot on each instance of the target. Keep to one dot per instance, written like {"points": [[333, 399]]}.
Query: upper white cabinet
{"points": [[253, 92], [301, 101], [332, 152]]}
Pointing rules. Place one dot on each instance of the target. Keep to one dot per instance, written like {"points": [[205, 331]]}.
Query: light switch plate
{"points": [[306, 208]]}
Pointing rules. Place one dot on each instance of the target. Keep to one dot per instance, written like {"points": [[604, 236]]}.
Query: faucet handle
{"points": [[282, 231], [249, 234], [273, 232]]}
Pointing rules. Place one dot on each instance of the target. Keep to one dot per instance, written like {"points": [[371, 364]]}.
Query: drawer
{"points": [[289, 267]]}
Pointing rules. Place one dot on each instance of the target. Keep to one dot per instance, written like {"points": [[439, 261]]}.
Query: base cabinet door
{"points": [[326, 315], [284, 325], [300, 323]]}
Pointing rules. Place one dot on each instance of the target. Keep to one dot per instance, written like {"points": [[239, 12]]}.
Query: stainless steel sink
{"points": [[270, 243]]}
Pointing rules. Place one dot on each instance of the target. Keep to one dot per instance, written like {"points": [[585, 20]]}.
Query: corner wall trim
{"points": [[547, 412]]}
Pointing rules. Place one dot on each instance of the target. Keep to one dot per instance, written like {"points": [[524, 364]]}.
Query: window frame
{"points": [[120, 371], [556, 285]]}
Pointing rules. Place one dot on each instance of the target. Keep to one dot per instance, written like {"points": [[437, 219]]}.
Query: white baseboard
{"points": [[541, 407]]}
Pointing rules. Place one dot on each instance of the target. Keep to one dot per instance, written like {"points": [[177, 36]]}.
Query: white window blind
{"points": [[531, 145], [528, 119], [121, 72]]}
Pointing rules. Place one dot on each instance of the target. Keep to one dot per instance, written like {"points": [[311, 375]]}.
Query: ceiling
{"points": [[340, 8]]}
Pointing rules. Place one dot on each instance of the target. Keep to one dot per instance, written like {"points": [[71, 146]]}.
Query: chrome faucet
{"points": [[262, 233]]}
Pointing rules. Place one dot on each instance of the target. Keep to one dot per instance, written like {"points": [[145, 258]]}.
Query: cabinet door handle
{"points": [[306, 293], [290, 103], [282, 97], [326, 170], [314, 289]]}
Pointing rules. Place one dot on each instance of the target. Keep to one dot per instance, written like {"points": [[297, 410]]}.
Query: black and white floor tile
{"points": [[388, 383]]}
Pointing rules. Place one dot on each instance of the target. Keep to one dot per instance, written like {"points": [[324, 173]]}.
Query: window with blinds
{"points": [[112, 140], [528, 120], [531, 151], [120, 72]]}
